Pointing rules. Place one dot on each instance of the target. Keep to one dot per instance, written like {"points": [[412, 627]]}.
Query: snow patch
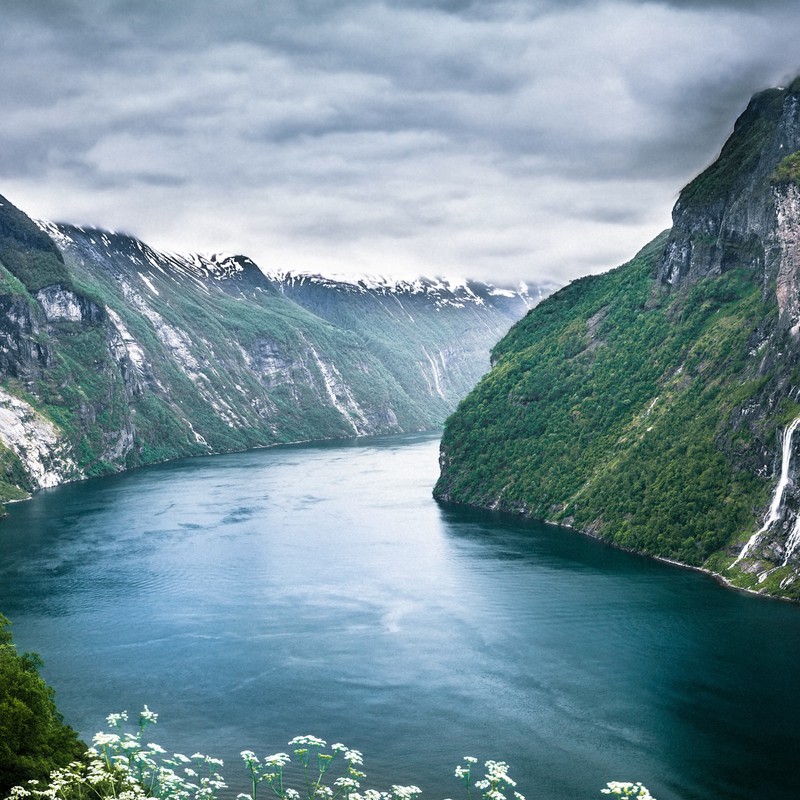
{"points": [[149, 283]]}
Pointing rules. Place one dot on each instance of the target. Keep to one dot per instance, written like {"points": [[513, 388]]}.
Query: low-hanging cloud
{"points": [[500, 140]]}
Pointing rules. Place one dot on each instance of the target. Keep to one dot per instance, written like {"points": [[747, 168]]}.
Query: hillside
{"points": [[114, 355], [649, 406]]}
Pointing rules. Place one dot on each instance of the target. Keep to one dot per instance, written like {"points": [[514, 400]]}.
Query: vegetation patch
{"points": [[33, 737], [787, 172], [625, 440]]}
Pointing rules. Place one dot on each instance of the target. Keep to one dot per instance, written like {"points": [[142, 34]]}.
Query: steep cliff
{"points": [[655, 406], [114, 355]]}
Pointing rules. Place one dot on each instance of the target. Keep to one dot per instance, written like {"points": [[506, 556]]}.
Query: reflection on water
{"points": [[318, 589]]}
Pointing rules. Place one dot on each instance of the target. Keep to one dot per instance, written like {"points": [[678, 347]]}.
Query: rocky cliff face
{"points": [[657, 406], [726, 217], [744, 211], [113, 354]]}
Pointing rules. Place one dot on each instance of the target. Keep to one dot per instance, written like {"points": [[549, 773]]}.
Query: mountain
{"points": [[655, 406], [115, 355]]}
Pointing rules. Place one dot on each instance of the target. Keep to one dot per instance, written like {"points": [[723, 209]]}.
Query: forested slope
{"points": [[649, 405]]}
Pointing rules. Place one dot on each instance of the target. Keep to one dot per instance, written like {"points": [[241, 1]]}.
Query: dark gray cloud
{"points": [[496, 139]]}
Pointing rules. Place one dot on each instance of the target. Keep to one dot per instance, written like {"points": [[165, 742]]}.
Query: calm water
{"points": [[318, 589]]}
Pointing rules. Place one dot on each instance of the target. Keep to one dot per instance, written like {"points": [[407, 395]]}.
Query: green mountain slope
{"points": [[115, 355], [647, 405]]}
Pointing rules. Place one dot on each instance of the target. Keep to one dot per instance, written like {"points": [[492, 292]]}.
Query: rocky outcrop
{"points": [[40, 445], [23, 348], [726, 216], [64, 305], [787, 237]]}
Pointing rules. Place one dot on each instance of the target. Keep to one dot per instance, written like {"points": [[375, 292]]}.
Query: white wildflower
{"points": [[347, 783], [627, 789], [105, 739], [498, 771], [277, 760], [311, 741], [406, 792]]}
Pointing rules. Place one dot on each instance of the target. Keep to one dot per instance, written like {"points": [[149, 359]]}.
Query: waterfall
{"points": [[777, 498], [792, 542]]}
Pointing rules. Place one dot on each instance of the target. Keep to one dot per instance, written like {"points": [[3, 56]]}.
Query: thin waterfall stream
{"points": [[775, 509]]}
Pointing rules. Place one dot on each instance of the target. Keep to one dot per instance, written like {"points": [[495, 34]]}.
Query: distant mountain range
{"points": [[114, 354], [656, 406]]}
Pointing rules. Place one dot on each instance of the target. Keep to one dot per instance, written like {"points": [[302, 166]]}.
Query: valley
{"points": [[114, 355]]}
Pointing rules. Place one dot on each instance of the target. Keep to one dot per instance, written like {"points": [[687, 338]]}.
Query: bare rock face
{"points": [[787, 238], [64, 305], [726, 217], [23, 350], [43, 448]]}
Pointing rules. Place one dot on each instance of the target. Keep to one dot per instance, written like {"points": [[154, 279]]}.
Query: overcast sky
{"points": [[499, 139]]}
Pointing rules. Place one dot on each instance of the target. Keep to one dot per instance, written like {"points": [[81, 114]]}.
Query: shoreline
{"points": [[212, 453], [716, 576]]}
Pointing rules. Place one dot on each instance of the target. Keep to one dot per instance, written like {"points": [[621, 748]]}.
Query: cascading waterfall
{"points": [[792, 542], [777, 498]]}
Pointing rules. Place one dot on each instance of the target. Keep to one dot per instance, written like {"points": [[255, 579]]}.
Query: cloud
{"points": [[502, 140]]}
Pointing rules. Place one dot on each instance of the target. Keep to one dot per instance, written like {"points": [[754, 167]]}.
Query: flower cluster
{"points": [[493, 785], [632, 790], [121, 765], [316, 762]]}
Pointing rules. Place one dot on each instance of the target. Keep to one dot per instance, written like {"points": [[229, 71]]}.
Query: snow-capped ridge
{"points": [[225, 266], [442, 290]]}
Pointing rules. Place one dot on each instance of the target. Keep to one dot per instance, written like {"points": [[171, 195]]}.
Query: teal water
{"points": [[319, 589]]}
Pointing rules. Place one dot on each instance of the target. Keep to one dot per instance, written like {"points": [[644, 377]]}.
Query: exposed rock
{"points": [[44, 451], [63, 305]]}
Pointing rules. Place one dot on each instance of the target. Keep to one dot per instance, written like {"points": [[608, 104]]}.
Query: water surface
{"points": [[319, 589]]}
